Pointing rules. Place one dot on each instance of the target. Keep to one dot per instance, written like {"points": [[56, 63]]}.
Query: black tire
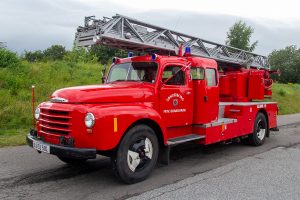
{"points": [[72, 161], [260, 130], [134, 143]]}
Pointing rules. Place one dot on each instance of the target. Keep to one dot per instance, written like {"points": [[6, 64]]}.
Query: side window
{"points": [[178, 75], [211, 77], [197, 73]]}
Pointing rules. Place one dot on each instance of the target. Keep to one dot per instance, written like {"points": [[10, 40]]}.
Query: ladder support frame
{"points": [[135, 35]]}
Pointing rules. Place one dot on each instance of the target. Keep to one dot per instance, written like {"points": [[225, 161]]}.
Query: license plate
{"points": [[41, 147]]}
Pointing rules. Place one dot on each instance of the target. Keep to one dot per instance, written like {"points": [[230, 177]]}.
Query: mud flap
{"points": [[164, 155], [274, 129]]}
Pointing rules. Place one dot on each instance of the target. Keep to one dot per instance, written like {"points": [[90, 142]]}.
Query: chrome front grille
{"points": [[55, 121]]}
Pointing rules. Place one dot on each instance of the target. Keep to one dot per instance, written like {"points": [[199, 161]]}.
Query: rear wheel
{"points": [[72, 161], [137, 154], [260, 130]]}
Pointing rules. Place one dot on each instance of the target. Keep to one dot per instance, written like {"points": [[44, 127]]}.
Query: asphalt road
{"points": [[25, 174], [274, 174]]}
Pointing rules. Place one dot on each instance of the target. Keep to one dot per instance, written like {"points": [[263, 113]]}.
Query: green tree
{"points": [[105, 54], [82, 55], [34, 56], [287, 60], [55, 52], [239, 36], [8, 59]]}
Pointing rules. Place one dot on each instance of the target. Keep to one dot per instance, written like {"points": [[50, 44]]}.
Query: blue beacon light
{"points": [[130, 54], [187, 51], [153, 56]]}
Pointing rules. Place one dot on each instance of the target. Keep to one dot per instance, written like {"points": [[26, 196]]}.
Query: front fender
{"points": [[113, 120]]}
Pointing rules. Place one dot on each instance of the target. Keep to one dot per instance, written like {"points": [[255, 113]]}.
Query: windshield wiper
{"points": [[119, 80]]}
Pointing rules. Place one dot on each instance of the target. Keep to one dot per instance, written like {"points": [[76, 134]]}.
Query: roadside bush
{"points": [[8, 59], [105, 54], [34, 56], [80, 55], [282, 92], [55, 52]]}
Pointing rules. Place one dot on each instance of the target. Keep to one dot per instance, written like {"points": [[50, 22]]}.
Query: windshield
{"points": [[135, 71]]}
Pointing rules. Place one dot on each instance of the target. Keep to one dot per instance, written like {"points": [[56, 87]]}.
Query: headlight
{"points": [[89, 120], [37, 113]]}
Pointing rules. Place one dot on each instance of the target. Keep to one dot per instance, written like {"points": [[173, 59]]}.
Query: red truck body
{"points": [[209, 107], [118, 106]]}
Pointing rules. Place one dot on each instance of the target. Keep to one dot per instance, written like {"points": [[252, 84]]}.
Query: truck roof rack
{"points": [[130, 34]]}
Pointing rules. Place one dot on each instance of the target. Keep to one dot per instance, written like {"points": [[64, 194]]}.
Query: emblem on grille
{"points": [[58, 100]]}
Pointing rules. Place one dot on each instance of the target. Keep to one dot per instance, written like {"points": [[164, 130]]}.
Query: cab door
{"points": [[176, 98], [211, 98]]}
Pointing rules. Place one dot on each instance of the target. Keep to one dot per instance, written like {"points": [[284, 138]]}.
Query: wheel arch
{"points": [[143, 121], [152, 124]]}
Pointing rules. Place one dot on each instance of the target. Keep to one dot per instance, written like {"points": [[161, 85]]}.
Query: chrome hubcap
{"points": [[139, 154], [261, 130]]}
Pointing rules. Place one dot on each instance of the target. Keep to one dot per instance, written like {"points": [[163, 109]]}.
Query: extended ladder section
{"points": [[130, 34]]}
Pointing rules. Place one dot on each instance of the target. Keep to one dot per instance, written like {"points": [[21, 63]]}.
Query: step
{"points": [[185, 138], [219, 122]]}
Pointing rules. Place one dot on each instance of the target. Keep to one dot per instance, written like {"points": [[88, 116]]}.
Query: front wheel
{"points": [[258, 136], [137, 154]]}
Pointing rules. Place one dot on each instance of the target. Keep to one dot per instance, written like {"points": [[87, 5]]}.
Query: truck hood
{"points": [[107, 93]]}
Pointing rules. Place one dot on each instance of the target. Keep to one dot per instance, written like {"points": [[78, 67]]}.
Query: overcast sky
{"points": [[37, 24]]}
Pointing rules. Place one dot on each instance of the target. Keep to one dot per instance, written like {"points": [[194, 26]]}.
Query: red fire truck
{"points": [[181, 89]]}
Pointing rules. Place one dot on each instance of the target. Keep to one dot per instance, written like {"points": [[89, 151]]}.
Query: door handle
{"points": [[188, 93], [205, 98]]}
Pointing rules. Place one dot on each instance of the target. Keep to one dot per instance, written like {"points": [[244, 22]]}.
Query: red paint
{"points": [[176, 109]]}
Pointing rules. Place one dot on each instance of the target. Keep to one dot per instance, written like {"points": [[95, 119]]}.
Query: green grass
{"points": [[15, 93], [12, 137], [288, 97]]}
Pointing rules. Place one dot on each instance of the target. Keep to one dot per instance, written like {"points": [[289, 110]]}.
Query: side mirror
{"points": [[103, 77]]}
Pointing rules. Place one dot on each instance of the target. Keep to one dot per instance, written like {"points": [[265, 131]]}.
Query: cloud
{"points": [[37, 24]]}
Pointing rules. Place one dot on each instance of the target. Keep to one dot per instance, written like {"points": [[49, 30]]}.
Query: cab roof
{"points": [[195, 61]]}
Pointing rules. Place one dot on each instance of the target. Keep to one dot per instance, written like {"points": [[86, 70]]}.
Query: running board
{"points": [[185, 138]]}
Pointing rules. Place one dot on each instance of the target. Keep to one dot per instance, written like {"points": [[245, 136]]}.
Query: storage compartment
{"points": [[243, 86], [233, 86], [224, 85], [256, 85]]}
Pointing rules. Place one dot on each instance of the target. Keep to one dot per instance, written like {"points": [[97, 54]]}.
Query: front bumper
{"points": [[70, 152]]}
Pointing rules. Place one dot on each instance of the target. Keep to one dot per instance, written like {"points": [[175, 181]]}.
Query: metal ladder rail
{"points": [[131, 34]]}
